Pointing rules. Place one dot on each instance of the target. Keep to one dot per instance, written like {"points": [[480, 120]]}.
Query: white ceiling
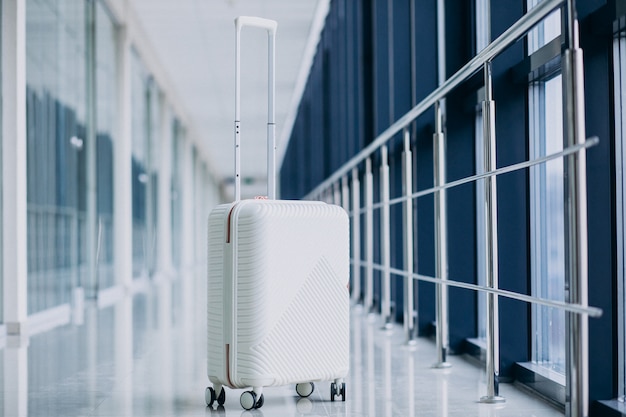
{"points": [[194, 40]]}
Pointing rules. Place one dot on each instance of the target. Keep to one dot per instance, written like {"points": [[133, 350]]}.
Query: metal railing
{"points": [[344, 188]]}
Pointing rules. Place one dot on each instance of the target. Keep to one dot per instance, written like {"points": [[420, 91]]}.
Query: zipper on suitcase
{"points": [[230, 213], [230, 383], [228, 327]]}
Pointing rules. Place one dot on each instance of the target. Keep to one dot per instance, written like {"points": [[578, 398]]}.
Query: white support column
{"points": [[89, 285], [164, 211], [123, 203], [14, 214], [187, 255], [16, 375]]}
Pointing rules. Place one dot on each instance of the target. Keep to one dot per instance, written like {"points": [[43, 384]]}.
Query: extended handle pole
{"points": [[270, 26]]}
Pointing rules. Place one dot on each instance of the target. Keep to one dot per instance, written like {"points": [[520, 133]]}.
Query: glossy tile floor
{"points": [[145, 356]]}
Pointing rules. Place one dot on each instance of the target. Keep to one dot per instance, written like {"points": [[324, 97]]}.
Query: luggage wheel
{"points": [[305, 389], [210, 396], [248, 400], [336, 389]]}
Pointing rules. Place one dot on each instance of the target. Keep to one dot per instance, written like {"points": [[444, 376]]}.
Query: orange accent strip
{"points": [[230, 213], [230, 384]]}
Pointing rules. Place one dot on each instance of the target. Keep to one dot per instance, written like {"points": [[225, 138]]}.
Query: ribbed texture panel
{"points": [[310, 341], [215, 291], [292, 299]]}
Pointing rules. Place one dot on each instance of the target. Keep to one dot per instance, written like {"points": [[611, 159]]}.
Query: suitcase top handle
{"points": [[270, 26], [258, 22]]}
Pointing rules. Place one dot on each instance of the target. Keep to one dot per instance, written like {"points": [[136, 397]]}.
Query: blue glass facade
{"points": [[390, 66]]}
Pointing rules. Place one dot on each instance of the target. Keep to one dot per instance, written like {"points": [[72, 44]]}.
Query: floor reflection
{"points": [[146, 356]]}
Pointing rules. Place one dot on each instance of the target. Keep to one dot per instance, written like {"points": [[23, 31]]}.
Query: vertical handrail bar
{"points": [[410, 310], [385, 247], [577, 353], [491, 243], [345, 193], [369, 237], [441, 244], [356, 236]]}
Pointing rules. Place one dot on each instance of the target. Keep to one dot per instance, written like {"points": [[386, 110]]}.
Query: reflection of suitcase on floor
{"points": [[278, 302]]}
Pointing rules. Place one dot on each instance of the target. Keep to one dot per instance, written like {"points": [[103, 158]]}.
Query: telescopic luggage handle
{"points": [[270, 26]]}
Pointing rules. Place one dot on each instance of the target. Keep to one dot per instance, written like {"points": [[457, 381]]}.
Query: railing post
{"points": [[345, 193], [441, 241], [356, 237], [337, 194], [410, 312], [369, 238], [491, 243], [577, 353], [385, 247]]}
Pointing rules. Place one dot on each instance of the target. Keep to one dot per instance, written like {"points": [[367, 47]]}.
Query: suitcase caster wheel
{"points": [[221, 399], [334, 390], [209, 396], [248, 400], [305, 389]]}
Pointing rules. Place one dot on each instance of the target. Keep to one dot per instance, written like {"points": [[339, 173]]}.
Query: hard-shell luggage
{"points": [[278, 271]]}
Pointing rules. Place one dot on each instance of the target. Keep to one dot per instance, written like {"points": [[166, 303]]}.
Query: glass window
{"points": [[483, 25], [154, 136], [141, 131], [546, 204], [56, 160], [547, 222], [545, 31], [176, 195]]}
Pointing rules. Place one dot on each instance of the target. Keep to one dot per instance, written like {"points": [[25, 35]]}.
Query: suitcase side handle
{"points": [[270, 26]]}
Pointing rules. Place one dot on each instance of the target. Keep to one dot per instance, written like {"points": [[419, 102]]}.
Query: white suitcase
{"points": [[278, 271]]}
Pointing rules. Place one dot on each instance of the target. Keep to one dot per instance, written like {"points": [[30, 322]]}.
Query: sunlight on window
{"points": [[547, 224], [545, 31]]}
